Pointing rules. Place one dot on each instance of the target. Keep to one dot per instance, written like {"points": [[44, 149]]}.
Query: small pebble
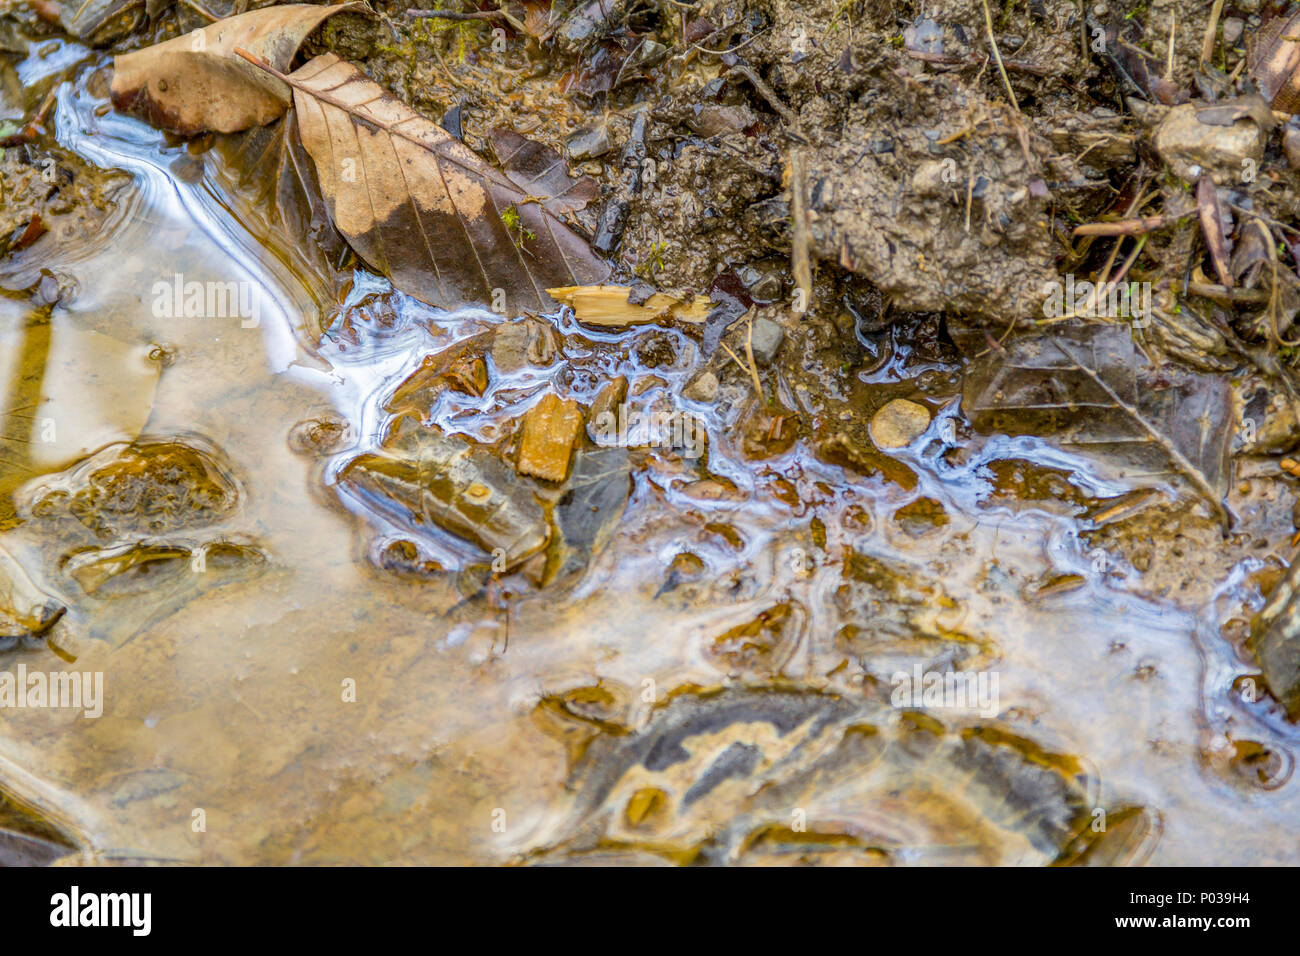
{"points": [[899, 423], [702, 388], [767, 339]]}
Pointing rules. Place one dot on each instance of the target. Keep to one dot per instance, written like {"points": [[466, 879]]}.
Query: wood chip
{"points": [[550, 429], [607, 305]]}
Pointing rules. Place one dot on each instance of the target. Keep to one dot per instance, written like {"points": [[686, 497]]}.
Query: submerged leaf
{"points": [[1088, 387], [597, 494], [196, 84], [266, 177], [421, 207]]}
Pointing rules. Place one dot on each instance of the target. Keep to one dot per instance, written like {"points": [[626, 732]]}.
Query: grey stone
{"points": [[768, 336], [589, 144]]}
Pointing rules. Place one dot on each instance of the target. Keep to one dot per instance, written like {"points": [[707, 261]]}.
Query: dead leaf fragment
{"points": [[550, 429], [1273, 60], [427, 478], [1228, 112], [196, 84], [608, 305], [1211, 214], [541, 172]]}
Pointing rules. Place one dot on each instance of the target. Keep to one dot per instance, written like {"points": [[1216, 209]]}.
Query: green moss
{"points": [[514, 226], [654, 262]]}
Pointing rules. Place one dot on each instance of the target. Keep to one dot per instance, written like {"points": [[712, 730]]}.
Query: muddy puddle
{"points": [[301, 665]]}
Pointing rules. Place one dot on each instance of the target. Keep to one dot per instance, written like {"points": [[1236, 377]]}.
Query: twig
{"points": [[800, 255], [970, 192], [997, 346], [1124, 227], [739, 46], [749, 354], [1212, 290], [1145, 54], [944, 59], [201, 10], [1101, 290], [740, 363], [997, 54], [1083, 33], [1211, 32], [1169, 61], [974, 121], [1138, 200], [1128, 263], [769, 94], [1259, 215]]}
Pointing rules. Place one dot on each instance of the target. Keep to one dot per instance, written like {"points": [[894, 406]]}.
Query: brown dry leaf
{"points": [[537, 17], [195, 83], [457, 366], [608, 305], [422, 208], [1250, 256], [541, 172], [1273, 58], [550, 429]]}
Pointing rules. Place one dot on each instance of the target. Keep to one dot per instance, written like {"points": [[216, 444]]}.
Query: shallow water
{"points": [[226, 687]]}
